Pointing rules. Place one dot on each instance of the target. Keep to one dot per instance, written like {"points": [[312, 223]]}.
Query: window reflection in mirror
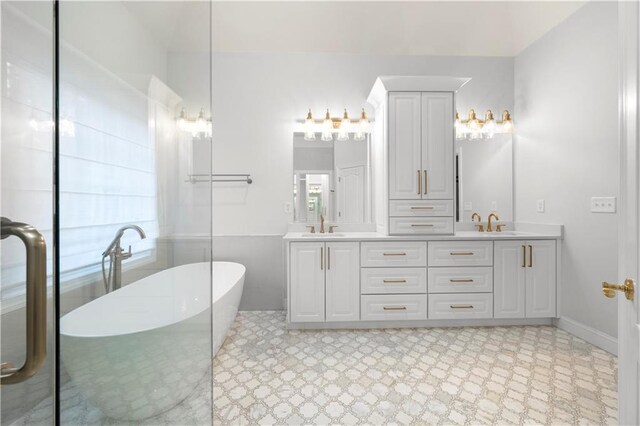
{"points": [[331, 178]]}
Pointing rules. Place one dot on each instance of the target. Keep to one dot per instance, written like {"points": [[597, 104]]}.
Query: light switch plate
{"points": [[540, 206], [603, 204], [468, 206]]}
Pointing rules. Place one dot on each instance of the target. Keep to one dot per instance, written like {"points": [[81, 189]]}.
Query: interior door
{"points": [[405, 146], [351, 196], [26, 206], [437, 146], [628, 319]]}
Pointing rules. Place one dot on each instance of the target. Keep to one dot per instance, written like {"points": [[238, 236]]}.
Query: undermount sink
{"points": [[325, 235]]}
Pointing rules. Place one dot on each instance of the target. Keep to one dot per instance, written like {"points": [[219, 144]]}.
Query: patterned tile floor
{"points": [[265, 374], [499, 375]]}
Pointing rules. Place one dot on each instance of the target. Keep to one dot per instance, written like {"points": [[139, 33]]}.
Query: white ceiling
{"points": [[458, 28]]}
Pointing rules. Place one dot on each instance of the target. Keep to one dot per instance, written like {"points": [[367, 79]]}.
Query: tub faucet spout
{"points": [[113, 279]]}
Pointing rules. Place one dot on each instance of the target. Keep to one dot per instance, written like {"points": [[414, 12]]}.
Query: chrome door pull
{"points": [[36, 250]]}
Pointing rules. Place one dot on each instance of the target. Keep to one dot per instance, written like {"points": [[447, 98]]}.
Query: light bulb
{"points": [[201, 123], [363, 127], [345, 126], [182, 119], [461, 129], [309, 128], [327, 128], [507, 122], [473, 122], [490, 127]]}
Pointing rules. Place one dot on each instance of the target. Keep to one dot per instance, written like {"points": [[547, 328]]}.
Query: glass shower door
{"points": [[135, 244], [26, 201]]}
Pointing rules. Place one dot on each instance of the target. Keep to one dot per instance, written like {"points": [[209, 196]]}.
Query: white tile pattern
{"points": [[265, 374]]}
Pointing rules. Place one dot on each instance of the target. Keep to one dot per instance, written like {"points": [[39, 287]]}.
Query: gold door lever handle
{"points": [[609, 290]]}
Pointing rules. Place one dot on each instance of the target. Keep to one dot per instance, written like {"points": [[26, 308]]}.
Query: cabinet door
{"points": [[405, 169], [509, 274], [437, 145], [343, 281], [541, 279], [307, 282]]}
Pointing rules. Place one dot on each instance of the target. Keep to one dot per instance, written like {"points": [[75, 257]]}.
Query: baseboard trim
{"points": [[591, 335], [357, 325]]}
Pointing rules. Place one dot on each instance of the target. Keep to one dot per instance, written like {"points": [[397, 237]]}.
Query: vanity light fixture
{"points": [[473, 128], [199, 126], [342, 127]]}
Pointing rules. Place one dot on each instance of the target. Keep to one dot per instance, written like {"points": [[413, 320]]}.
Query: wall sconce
{"points": [[199, 125], [329, 126], [473, 128]]}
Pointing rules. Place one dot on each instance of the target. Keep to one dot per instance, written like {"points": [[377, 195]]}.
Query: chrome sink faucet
{"points": [[113, 280]]}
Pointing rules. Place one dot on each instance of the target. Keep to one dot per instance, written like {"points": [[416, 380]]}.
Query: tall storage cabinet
{"points": [[415, 151]]}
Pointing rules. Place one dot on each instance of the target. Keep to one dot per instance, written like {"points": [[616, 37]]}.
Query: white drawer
{"points": [[420, 225], [411, 208], [393, 307], [393, 280], [401, 253], [460, 306], [461, 280], [461, 253]]}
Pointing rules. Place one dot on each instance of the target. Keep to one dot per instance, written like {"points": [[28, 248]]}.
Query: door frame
{"points": [[628, 229]]}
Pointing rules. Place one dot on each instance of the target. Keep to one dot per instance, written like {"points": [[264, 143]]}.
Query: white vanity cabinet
{"points": [[324, 281], [524, 279]]}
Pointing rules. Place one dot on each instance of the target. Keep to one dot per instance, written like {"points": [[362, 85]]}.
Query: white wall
{"points": [[566, 152], [256, 100]]}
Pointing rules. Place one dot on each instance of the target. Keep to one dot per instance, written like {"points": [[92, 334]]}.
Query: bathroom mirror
{"points": [[484, 177], [331, 178]]}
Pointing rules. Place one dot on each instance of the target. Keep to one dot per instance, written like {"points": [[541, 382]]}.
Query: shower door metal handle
{"points": [[36, 250]]}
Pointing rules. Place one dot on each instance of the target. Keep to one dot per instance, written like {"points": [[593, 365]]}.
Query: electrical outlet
{"points": [[287, 207], [468, 206], [494, 206], [603, 204], [540, 206]]}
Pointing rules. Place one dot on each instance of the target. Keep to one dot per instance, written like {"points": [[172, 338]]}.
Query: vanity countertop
{"points": [[546, 234]]}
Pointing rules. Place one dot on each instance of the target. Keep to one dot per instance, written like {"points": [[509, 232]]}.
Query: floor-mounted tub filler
{"points": [[140, 350]]}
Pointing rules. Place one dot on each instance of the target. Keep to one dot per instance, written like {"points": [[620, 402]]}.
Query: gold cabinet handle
{"points": [[466, 280], [328, 258], [426, 182], [394, 281], [524, 256], [321, 258], [422, 208], [394, 308], [457, 253], [530, 256], [628, 288], [394, 254], [461, 306], [419, 184]]}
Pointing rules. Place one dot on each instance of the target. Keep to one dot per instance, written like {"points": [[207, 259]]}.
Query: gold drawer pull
{"points": [[422, 208], [461, 281], [394, 254], [469, 253], [394, 308], [461, 306], [394, 281], [420, 225]]}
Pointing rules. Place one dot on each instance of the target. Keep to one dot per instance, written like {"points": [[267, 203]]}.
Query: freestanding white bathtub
{"points": [[141, 350]]}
